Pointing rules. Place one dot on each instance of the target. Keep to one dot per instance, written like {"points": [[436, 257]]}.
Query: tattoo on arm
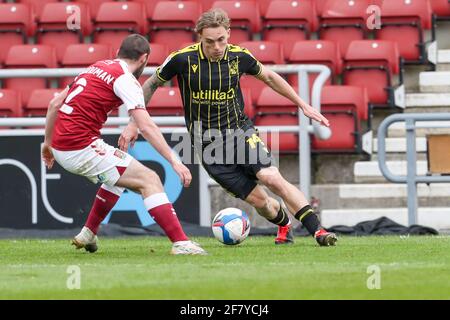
{"points": [[150, 87]]}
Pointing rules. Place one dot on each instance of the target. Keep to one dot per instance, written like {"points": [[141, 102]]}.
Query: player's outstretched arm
{"points": [[153, 135], [149, 87], [52, 111], [130, 132], [277, 83]]}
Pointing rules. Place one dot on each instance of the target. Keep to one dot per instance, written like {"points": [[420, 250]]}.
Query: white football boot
{"points": [[86, 239], [187, 248]]}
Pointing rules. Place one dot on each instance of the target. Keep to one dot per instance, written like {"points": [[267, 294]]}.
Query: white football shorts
{"points": [[99, 162]]}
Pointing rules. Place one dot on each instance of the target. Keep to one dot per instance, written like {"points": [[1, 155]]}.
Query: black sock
{"points": [[309, 219], [282, 218]]}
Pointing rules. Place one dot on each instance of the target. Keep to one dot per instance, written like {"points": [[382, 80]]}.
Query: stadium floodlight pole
{"points": [[411, 178]]}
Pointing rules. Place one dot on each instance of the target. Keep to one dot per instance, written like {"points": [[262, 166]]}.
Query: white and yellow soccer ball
{"points": [[231, 226]]}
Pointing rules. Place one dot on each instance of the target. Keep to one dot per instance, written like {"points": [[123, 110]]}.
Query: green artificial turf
{"points": [[142, 268]]}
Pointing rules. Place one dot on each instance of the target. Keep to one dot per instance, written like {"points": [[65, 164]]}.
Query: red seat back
{"points": [[267, 52], [16, 23], [94, 5], [400, 22], [272, 109], [283, 20], [29, 56], [344, 21], [10, 103], [53, 29], [166, 101], [440, 7], [373, 51], [344, 127], [382, 59], [346, 98], [117, 20], [36, 5], [38, 103], [245, 18], [173, 23], [83, 55]]}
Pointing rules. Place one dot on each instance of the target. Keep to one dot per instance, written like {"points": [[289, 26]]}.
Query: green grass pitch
{"points": [[141, 268]]}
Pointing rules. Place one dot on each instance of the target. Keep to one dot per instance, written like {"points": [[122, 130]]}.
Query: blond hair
{"points": [[213, 18]]}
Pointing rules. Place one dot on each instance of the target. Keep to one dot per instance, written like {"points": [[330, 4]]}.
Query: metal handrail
{"points": [[412, 122]]}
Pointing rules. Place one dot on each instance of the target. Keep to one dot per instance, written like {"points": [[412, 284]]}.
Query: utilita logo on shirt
{"points": [[213, 95]]}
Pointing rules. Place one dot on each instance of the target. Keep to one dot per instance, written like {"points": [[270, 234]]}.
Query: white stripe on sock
{"points": [[155, 200], [113, 189]]}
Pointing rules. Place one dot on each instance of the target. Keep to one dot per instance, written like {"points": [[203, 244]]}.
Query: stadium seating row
{"points": [[172, 22], [368, 63], [340, 104]]}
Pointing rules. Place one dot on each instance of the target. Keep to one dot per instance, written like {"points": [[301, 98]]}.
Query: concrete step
{"points": [[437, 218], [399, 145], [397, 129], [434, 81], [398, 156], [444, 56], [368, 171], [443, 60], [370, 195], [429, 100]]}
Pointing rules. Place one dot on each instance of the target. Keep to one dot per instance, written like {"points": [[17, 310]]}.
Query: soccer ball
{"points": [[231, 226]]}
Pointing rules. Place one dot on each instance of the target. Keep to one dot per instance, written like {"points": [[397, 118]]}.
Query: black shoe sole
{"points": [[329, 241]]}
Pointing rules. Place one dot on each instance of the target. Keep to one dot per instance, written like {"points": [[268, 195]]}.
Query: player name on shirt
{"points": [[101, 74]]}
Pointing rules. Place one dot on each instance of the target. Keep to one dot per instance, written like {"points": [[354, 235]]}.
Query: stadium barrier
{"points": [[305, 128], [412, 122]]}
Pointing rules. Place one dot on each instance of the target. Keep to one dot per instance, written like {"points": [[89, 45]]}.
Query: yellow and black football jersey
{"points": [[210, 89]]}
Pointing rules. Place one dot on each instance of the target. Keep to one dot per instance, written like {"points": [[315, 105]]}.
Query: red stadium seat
{"points": [[29, 56], [267, 52], [245, 19], [264, 5], [404, 22], [149, 6], [343, 21], [316, 52], [94, 5], [116, 20], [16, 23], [287, 22], [166, 101], [36, 5], [38, 104], [319, 5], [441, 8], [10, 103], [346, 98], [83, 55], [344, 107], [158, 54], [173, 23], [52, 25], [372, 64], [345, 130], [275, 110]]}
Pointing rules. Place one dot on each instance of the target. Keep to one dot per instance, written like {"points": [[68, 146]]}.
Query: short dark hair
{"points": [[133, 47]]}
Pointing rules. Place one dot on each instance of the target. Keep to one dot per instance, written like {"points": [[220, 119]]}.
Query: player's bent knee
{"points": [[272, 179]]}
